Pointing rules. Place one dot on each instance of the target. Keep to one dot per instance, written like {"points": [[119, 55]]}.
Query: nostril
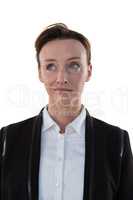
{"points": [[62, 81]]}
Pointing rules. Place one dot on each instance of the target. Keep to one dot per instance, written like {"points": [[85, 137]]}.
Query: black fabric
{"points": [[108, 161]]}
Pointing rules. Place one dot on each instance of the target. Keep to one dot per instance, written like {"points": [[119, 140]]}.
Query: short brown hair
{"points": [[60, 31]]}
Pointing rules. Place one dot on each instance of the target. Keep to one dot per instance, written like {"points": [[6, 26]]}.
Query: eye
{"points": [[74, 67], [51, 67]]}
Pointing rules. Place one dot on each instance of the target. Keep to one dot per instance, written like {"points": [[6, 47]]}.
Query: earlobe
{"points": [[88, 78]]}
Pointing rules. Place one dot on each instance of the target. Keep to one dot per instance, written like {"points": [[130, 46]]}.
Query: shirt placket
{"points": [[59, 167]]}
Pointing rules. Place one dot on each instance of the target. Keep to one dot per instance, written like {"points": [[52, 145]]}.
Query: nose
{"points": [[61, 77]]}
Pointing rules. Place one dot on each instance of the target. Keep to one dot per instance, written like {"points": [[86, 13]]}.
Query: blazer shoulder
{"points": [[19, 125], [108, 128], [115, 137], [24, 124]]}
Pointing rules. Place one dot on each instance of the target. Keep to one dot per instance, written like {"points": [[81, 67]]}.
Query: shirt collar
{"points": [[74, 126]]}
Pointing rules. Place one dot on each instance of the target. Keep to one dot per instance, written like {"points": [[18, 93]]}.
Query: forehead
{"points": [[63, 48]]}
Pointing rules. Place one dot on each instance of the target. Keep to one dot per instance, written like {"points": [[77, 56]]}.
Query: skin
{"points": [[63, 64]]}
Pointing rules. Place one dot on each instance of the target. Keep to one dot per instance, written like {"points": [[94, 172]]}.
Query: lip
{"points": [[63, 89]]}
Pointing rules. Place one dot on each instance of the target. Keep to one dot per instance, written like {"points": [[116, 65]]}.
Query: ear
{"points": [[89, 72], [40, 74]]}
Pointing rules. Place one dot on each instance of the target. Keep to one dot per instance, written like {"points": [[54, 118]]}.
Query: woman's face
{"points": [[64, 69]]}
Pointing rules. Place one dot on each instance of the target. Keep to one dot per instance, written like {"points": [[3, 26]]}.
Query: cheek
{"points": [[48, 79], [78, 81]]}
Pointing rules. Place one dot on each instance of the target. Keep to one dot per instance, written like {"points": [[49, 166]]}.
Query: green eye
{"points": [[51, 67]]}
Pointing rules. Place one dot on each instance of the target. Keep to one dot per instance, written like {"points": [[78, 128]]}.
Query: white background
{"points": [[109, 27]]}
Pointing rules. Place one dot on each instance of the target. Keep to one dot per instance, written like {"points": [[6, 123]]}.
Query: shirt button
{"points": [[57, 184]]}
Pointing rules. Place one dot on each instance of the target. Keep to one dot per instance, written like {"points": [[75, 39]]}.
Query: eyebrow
{"points": [[72, 58]]}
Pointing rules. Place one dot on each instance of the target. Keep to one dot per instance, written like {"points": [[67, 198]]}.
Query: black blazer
{"points": [[108, 161]]}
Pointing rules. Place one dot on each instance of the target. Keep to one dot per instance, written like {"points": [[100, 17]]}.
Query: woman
{"points": [[63, 152]]}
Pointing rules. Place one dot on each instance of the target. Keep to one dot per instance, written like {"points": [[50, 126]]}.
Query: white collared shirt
{"points": [[61, 174]]}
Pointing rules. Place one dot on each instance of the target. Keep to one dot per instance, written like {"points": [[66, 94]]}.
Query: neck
{"points": [[64, 115]]}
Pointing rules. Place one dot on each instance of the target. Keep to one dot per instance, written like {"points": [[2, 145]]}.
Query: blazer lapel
{"points": [[34, 158], [96, 181], [89, 158]]}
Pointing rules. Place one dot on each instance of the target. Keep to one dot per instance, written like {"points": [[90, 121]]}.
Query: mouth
{"points": [[63, 89]]}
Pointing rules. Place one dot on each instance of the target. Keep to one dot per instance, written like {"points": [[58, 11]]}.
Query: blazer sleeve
{"points": [[0, 158], [1, 150], [125, 190]]}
